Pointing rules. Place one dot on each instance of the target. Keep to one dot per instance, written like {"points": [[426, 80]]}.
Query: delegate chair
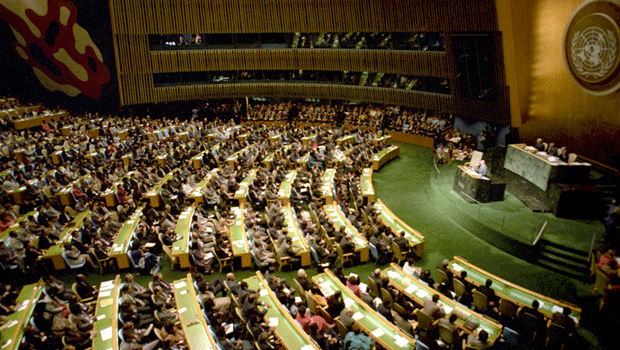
{"points": [[399, 256], [440, 276], [223, 262], [557, 335], [71, 266], [425, 322], [481, 303], [448, 336], [388, 301]]}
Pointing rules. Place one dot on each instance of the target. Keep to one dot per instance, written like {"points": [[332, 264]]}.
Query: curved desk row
{"points": [[290, 333], [327, 185], [384, 156], [238, 239], [54, 253], [415, 238], [293, 231], [106, 315], [197, 193], [510, 291], [418, 291], [284, 194], [368, 190], [244, 187], [374, 325], [339, 220], [121, 243], [180, 247], [191, 317], [15, 322]]}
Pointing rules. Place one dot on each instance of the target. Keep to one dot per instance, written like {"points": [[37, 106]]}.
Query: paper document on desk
{"points": [[106, 334], [357, 316], [422, 294], [348, 302], [377, 332], [401, 341]]}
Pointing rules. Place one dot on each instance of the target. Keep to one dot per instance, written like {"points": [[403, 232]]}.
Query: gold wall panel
{"points": [[132, 21], [552, 106], [398, 62], [286, 16]]}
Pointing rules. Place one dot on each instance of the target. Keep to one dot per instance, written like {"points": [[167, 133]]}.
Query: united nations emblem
{"points": [[592, 46]]}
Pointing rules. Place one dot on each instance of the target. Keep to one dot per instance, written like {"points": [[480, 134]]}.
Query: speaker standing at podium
{"points": [[482, 169]]}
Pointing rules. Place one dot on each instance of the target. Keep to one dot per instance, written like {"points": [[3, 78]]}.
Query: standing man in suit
{"points": [[483, 169]]}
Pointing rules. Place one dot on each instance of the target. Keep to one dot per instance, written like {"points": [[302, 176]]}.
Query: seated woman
{"points": [[76, 257]]}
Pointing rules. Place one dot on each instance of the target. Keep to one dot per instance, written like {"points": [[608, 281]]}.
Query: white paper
{"points": [[183, 292], [106, 334], [273, 322], [457, 267], [410, 289], [23, 306], [555, 309], [104, 294], [421, 293], [100, 317], [209, 255], [182, 310], [357, 316], [363, 287], [8, 342], [263, 292], [12, 323], [327, 292], [377, 332], [401, 341], [307, 347], [177, 248], [180, 284], [348, 302]]}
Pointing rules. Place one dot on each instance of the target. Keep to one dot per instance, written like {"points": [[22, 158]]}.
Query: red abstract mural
{"points": [[60, 51]]}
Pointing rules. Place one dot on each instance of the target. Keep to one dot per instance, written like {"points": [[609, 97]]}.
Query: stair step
{"points": [[545, 244], [562, 271], [580, 267]]}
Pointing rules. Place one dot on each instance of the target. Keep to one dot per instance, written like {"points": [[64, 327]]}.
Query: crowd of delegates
{"points": [[378, 41], [382, 80], [17, 111], [399, 118], [146, 319], [430, 41]]}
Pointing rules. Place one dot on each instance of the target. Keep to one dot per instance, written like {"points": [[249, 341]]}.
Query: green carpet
{"points": [[411, 187]]}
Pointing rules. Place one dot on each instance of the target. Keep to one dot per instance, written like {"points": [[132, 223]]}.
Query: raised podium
{"points": [[475, 188]]}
